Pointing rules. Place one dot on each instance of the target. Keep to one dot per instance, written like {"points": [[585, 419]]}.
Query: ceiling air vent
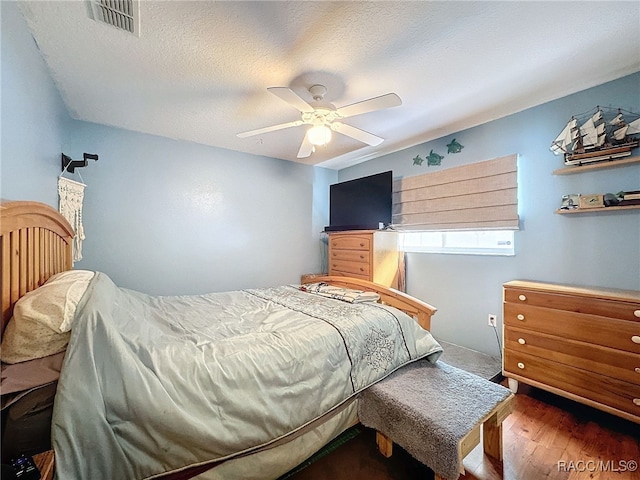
{"points": [[122, 14]]}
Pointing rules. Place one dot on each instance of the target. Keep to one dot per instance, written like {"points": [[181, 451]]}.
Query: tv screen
{"points": [[361, 204]]}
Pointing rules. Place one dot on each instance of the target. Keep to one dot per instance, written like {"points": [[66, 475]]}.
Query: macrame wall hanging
{"points": [[71, 195]]}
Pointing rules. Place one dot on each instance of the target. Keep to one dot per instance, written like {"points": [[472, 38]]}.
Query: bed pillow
{"points": [[339, 293], [42, 319]]}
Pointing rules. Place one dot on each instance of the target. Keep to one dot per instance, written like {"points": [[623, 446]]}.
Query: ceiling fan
{"points": [[323, 117]]}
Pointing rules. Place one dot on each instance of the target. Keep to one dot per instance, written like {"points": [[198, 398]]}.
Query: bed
{"points": [[154, 387]]}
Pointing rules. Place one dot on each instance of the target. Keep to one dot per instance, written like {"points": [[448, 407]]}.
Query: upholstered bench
{"points": [[435, 412]]}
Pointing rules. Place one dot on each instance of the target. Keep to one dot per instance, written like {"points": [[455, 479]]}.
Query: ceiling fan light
{"points": [[319, 135]]}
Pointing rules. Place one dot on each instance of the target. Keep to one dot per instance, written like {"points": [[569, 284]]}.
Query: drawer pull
{"points": [[521, 365], [637, 369], [362, 244], [521, 341], [520, 316], [636, 401], [522, 298], [636, 339], [637, 313]]}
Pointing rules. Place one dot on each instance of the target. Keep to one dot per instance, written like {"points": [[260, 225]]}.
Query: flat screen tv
{"points": [[361, 204]]}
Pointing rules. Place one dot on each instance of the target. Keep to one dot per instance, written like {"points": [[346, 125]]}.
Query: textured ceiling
{"points": [[199, 70]]}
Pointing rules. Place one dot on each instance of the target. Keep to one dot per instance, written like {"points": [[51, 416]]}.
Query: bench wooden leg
{"points": [[492, 440], [492, 429], [385, 444]]}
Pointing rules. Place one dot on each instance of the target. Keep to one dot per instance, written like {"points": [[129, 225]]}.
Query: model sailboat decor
{"points": [[603, 134]]}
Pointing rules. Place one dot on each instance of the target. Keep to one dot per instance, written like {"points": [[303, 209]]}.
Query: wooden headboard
{"points": [[36, 244]]}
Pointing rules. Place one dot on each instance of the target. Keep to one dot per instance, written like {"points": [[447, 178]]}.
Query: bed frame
{"points": [[36, 243]]}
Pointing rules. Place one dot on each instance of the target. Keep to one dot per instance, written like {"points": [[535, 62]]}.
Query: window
{"points": [[468, 209], [485, 242]]}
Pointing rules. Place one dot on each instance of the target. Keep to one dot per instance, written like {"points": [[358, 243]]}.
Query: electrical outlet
{"points": [[492, 320]]}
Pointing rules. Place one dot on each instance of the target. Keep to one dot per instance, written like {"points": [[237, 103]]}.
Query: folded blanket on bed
{"points": [[155, 384], [339, 293]]}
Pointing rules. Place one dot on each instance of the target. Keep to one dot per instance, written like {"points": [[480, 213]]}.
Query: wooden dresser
{"points": [[578, 342], [368, 254]]}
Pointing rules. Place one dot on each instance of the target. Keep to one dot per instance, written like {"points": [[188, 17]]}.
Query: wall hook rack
{"points": [[70, 165]]}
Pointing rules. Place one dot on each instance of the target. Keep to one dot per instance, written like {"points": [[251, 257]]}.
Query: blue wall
{"points": [[34, 118], [588, 249], [173, 217], [160, 216]]}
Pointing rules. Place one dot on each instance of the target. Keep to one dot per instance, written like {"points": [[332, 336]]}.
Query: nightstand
{"points": [[45, 462]]}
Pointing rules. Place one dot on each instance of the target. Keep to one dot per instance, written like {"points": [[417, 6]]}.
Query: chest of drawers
{"points": [[578, 342], [367, 254]]}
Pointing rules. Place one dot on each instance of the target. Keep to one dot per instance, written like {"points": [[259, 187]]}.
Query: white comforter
{"points": [[155, 384]]}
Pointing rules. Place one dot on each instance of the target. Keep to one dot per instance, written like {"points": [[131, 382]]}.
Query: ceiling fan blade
{"points": [[306, 148], [377, 103], [272, 128], [358, 134], [291, 97]]}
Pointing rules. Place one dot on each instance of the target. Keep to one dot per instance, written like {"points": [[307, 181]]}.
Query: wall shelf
{"points": [[597, 166], [597, 209]]}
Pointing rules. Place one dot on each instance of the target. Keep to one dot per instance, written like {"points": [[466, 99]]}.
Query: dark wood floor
{"points": [[546, 437]]}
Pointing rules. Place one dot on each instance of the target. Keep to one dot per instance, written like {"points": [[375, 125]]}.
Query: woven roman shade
{"points": [[478, 196]]}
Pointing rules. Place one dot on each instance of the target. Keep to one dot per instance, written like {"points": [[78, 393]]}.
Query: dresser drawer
{"points": [[349, 274], [350, 255], [608, 332], [624, 310], [349, 267], [615, 393], [350, 242], [595, 358]]}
